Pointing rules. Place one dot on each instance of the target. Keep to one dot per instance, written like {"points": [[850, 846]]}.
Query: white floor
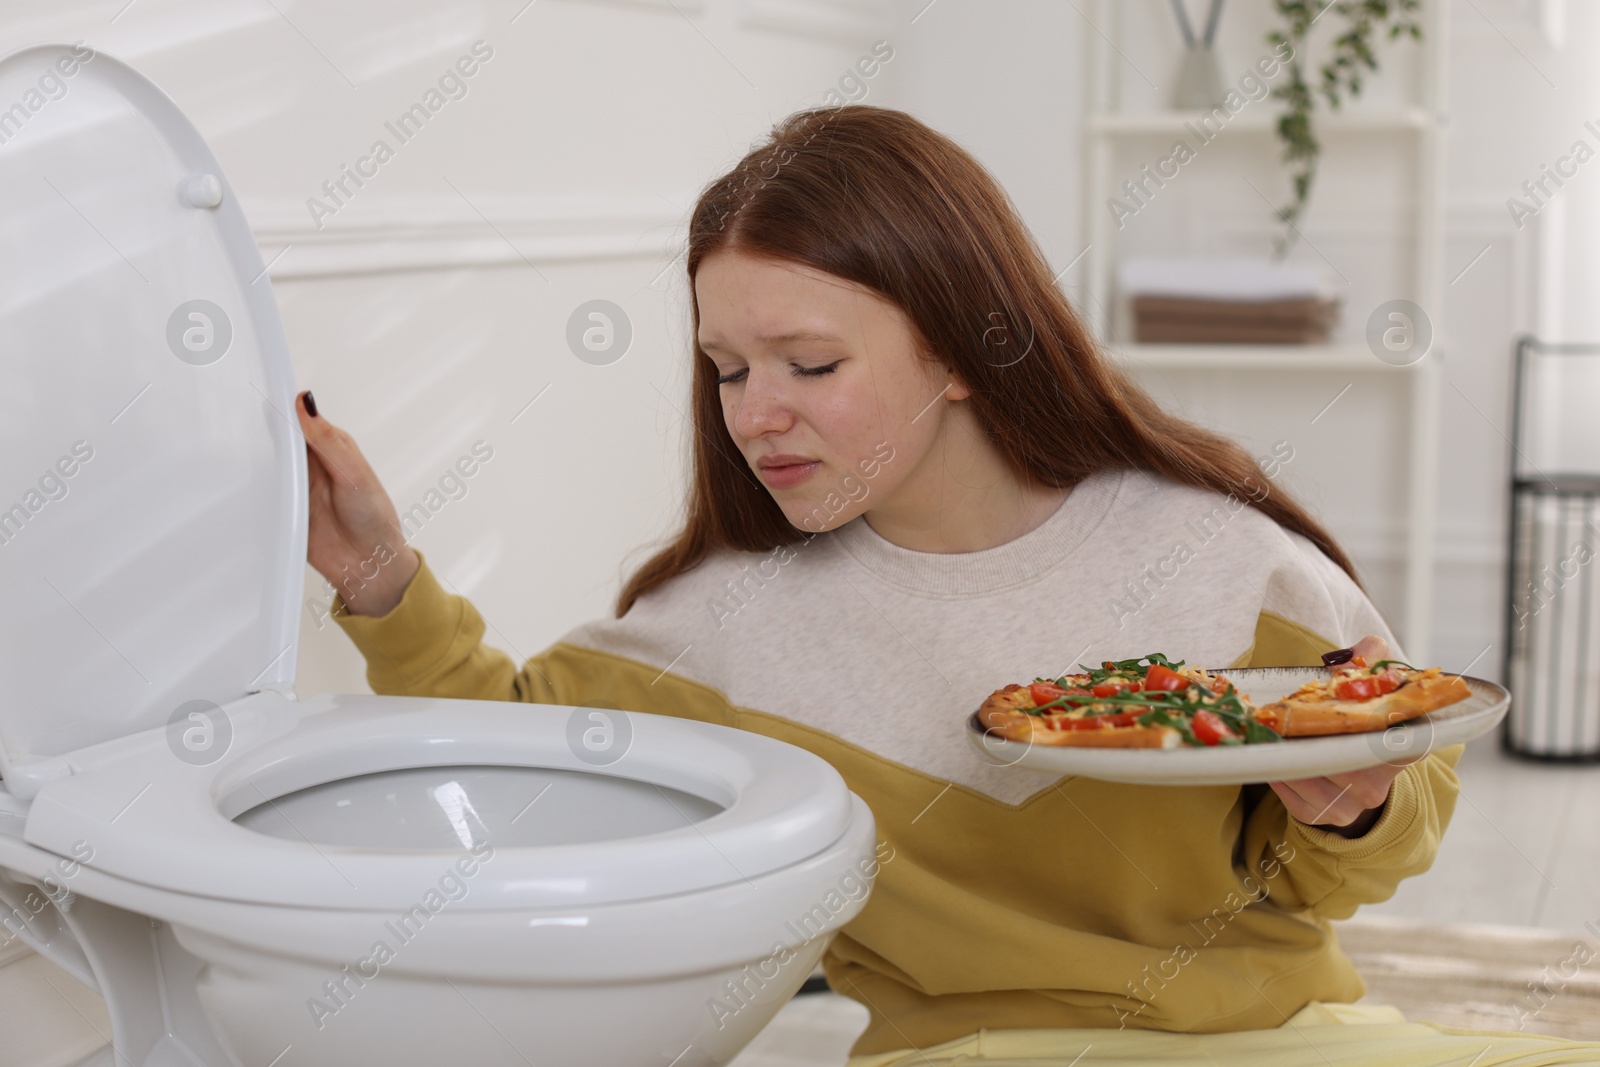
{"points": [[815, 1030], [47, 1018], [1522, 849]]}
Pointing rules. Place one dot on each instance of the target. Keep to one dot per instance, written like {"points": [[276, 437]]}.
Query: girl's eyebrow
{"points": [[778, 339]]}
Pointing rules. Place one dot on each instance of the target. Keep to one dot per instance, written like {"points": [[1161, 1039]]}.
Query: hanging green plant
{"points": [[1352, 55]]}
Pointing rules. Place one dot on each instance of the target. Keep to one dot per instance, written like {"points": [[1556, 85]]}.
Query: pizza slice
{"points": [[1355, 698], [1149, 702]]}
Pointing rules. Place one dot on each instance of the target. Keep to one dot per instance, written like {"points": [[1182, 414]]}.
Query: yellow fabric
{"points": [[1281, 642], [1090, 905], [1318, 1035]]}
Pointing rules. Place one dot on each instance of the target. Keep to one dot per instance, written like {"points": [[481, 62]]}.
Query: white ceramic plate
{"points": [[1295, 757]]}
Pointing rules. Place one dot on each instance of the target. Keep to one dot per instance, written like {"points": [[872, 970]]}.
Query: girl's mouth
{"points": [[790, 476]]}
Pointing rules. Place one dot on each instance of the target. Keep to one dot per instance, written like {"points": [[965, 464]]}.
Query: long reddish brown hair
{"points": [[876, 197]]}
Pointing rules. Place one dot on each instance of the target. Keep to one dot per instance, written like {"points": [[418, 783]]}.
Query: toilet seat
{"points": [[174, 829]]}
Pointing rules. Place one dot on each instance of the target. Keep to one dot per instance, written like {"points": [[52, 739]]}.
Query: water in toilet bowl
{"points": [[443, 808]]}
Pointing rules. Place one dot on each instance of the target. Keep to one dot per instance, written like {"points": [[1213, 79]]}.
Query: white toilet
{"points": [[253, 880]]}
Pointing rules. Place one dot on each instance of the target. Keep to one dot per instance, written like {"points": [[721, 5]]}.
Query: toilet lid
{"points": [[152, 471]]}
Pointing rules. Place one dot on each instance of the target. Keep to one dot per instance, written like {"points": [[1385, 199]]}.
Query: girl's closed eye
{"points": [[798, 372]]}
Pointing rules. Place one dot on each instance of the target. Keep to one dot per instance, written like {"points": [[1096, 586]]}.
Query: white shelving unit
{"points": [[1422, 120], [1259, 121]]}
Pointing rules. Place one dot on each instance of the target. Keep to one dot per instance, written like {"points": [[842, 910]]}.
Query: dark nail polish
{"points": [[1338, 656], [311, 404]]}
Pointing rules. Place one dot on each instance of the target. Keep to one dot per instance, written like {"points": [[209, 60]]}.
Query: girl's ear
{"points": [[939, 371]]}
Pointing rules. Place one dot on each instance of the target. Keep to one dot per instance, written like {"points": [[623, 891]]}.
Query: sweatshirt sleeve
{"points": [[1322, 609], [1333, 875], [431, 644]]}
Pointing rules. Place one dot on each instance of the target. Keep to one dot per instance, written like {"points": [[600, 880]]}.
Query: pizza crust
{"points": [[1002, 714], [1299, 716]]}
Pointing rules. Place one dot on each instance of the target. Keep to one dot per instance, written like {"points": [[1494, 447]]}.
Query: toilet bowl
{"points": [[255, 880]]}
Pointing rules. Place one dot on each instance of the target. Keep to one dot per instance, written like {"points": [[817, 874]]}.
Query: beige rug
{"points": [[1470, 977], [1479, 977]]}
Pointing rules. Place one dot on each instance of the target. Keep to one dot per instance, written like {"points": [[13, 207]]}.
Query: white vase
{"points": [[1200, 85]]}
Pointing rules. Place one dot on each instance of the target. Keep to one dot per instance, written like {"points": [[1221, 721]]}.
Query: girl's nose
{"points": [[762, 409]]}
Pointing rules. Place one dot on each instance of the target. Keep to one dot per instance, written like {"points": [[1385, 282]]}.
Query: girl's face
{"points": [[823, 375]]}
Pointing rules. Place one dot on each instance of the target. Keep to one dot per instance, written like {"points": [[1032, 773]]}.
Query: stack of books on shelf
{"points": [[1227, 301]]}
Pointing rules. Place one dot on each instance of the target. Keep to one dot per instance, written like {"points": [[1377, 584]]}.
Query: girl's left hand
{"points": [[1349, 803]]}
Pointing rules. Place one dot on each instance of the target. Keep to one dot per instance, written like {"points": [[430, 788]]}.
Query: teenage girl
{"points": [[916, 478]]}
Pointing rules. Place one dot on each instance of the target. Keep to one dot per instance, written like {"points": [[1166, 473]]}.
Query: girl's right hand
{"points": [[355, 540]]}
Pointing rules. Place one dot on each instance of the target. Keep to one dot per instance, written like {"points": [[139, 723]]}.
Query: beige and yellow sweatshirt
{"points": [[1013, 898]]}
